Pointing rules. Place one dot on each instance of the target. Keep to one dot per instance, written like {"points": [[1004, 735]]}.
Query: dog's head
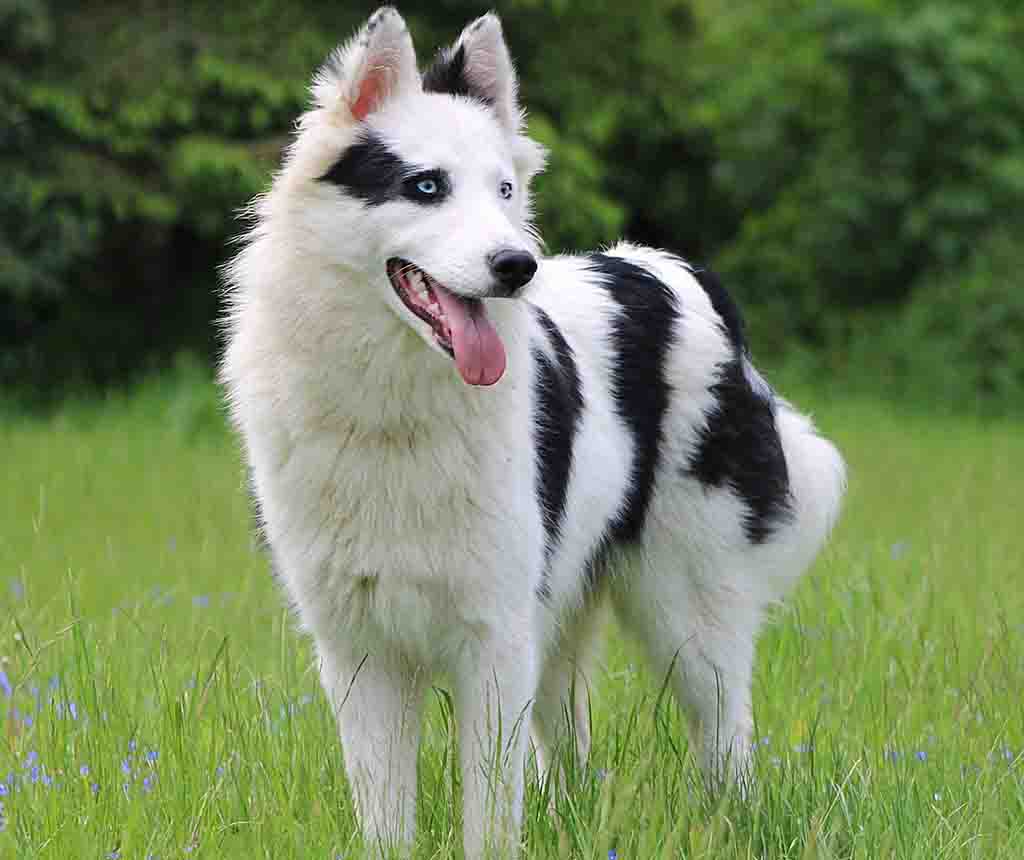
{"points": [[420, 183]]}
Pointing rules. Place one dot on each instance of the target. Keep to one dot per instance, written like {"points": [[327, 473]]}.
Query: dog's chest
{"points": [[374, 508]]}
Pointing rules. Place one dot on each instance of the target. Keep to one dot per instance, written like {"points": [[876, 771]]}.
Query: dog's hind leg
{"points": [[495, 682], [377, 699], [701, 640], [561, 710]]}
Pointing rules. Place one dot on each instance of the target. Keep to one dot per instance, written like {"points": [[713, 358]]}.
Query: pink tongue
{"points": [[479, 352]]}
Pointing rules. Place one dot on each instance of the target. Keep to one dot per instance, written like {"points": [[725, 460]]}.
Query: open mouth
{"points": [[460, 325], [418, 292]]}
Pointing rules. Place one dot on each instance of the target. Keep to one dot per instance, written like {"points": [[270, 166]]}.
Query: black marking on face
{"points": [[557, 414], [739, 447], [642, 333], [447, 74], [370, 171]]}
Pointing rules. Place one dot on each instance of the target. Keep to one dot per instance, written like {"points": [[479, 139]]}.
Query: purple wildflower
{"points": [[126, 767], [147, 784], [201, 600], [73, 709], [33, 774], [922, 755], [152, 756], [613, 854], [4, 790], [114, 855], [5, 684], [31, 757], [132, 745], [84, 770], [95, 788]]}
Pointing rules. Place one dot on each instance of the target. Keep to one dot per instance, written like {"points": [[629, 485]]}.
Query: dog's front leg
{"points": [[495, 684], [377, 699]]}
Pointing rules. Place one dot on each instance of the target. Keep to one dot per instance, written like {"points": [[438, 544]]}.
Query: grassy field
{"points": [[157, 702]]}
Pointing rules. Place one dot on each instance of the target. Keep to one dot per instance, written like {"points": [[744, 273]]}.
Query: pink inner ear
{"points": [[372, 90]]}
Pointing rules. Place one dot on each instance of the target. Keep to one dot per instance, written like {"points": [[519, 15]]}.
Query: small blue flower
{"points": [[201, 600], [54, 682], [922, 755], [31, 757], [152, 756], [114, 855], [4, 790], [73, 708], [5, 684], [33, 774], [84, 770], [132, 745], [613, 854], [126, 767], [147, 784], [95, 788]]}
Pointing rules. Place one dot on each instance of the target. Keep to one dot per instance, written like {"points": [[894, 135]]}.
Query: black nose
{"points": [[513, 269]]}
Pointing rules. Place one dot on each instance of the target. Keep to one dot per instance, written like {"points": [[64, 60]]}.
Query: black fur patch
{"points": [[559, 405], [740, 446], [642, 333], [447, 74], [724, 306], [369, 170]]}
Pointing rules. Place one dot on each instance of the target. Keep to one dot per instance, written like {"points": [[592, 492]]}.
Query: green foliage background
{"points": [[854, 168]]}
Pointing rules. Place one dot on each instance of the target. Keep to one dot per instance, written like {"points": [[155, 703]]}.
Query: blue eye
{"points": [[427, 188], [505, 190]]}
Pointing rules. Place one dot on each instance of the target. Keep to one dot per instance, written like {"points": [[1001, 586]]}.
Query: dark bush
{"points": [[847, 164]]}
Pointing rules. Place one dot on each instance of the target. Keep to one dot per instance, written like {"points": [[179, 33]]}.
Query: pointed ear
{"points": [[479, 65], [377, 64]]}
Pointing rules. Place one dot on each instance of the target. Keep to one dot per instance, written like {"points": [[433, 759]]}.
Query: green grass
{"points": [[889, 689]]}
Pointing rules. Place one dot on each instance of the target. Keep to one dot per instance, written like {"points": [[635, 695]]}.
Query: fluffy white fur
{"points": [[400, 503]]}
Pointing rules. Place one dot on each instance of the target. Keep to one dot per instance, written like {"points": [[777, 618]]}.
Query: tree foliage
{"points": [[855, 167]]}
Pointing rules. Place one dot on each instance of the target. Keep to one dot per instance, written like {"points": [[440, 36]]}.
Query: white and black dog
{"points": [[462, 450]]}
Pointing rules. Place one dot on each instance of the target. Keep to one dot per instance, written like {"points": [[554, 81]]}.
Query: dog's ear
{"points": [[377, 64], [479, 65]]}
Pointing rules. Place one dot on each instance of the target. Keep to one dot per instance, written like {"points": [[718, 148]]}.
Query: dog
{"points": [[462, 450]]}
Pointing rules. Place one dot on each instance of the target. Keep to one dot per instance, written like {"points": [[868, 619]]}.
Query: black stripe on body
{"points": [[642, 333], [558, 409], [739, 447]]}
